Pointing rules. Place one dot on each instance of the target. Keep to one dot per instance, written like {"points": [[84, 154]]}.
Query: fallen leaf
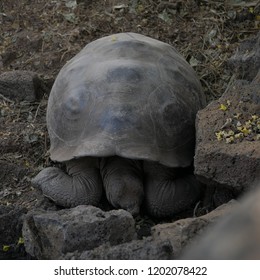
{"points": [[20, 241], [223, 107], [193, 62], [71, 4], [70, 17], [165, 16], [6, 248]]}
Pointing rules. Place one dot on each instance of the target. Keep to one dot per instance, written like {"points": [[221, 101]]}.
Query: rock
{"points": [[146, 249], [11, 244], [235, 236], [167, 240], [50, 234], [246, 61], [227, 141], [182, 232], [21, 86]]}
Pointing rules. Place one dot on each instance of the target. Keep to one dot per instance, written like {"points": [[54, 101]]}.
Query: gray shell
{"points": [[126, 95]]}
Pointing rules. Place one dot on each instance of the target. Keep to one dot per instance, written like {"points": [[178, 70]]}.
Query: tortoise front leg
{"points": [[81, 184], [169, 191]]}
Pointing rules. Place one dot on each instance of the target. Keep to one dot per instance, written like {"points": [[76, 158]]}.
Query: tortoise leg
{"points": [[123, 182], [168, 190], [81, 184]]}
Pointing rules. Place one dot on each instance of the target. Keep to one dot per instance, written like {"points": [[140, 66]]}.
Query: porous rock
{"points": [[221, 159], [167, 240], [145, 249], [245, 63], [21, 86], [234, 237], [50, 234], [181, 232]]}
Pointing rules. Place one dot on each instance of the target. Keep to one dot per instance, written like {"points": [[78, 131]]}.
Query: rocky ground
{"points": [[41, 36]]}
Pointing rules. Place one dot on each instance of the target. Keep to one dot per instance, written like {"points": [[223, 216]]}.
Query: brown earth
{"points": [[42, 35]]}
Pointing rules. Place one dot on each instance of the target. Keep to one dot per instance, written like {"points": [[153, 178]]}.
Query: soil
{"points": [[42, 35]]}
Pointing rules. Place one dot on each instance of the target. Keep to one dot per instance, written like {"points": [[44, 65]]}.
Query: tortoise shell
{"points": [[127, 95]]}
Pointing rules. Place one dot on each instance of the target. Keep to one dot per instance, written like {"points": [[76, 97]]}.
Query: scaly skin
{"points": [[81, 184], [169, 190], [166, 191], [123, 182]]}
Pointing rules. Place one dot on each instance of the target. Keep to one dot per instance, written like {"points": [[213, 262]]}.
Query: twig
{"points": [[207, 85], [230, 83], [36, 113], [6, 99], [243, 4], [195, 209]]}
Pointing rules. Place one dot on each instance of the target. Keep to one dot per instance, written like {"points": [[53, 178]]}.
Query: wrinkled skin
{"points": [[123, 183], [126, 182]]}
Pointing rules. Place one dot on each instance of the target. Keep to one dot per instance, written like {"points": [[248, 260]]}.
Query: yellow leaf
{"points": [[229, 133], [237, 115], [254, 117], [239, 135], [251, 10], [223, 107], [230, 140], [219, 135], [248, 124], [6, 248], [20, 241], [245, 130]]}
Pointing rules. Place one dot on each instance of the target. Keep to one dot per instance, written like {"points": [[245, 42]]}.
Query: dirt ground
{"points": [[41, 35]]}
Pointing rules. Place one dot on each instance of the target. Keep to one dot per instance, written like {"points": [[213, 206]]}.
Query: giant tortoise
{"points": [[121, 115]]}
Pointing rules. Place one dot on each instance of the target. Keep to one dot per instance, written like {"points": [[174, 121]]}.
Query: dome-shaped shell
{"points": [[126, 95]]}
